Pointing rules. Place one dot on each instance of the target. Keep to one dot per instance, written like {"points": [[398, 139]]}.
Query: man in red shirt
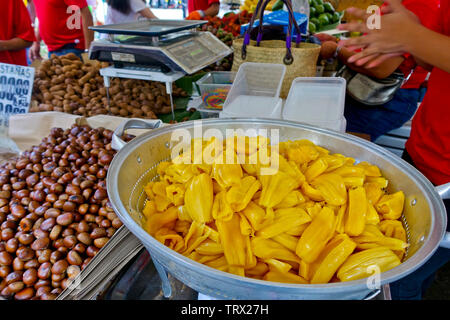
{"points": [[16, 32], [428, 147], [63, 26], [201, 8]]}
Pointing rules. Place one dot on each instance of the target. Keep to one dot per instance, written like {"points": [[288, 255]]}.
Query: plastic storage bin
{"points": [[214, 87], [317, 101], [255, 91]]}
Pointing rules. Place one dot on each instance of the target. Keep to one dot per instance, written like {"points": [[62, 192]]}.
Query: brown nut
{"points": [[42, 283], [52, 213], [59, 267], [13, 277], [18, 265], [25, 238], [42, 290], [73, 271], [91, 251], [101, 242], [80, 248], [98, 233], [74, 258], [16, 286], [25, 294], [4, 271], [5, 258], [7, 234], [26, 224], [55, 256], [83, 226], [40, 244], [25, 253], [70, 241], [65, 219], [84, 238], [30, 277], [12, 245], [44, 270], [33, 263], [47, 224], [44, 255], [56, 231], [58, 277]]}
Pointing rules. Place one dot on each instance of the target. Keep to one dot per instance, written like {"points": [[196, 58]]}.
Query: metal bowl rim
{"points": [[429, 246]]}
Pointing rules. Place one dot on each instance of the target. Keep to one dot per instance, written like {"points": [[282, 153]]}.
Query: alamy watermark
{"points": [[235, 146]]}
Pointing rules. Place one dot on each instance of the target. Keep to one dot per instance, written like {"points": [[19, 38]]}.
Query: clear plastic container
{"points": [[255, 91], [254, 106], [214, 87], [317, 101]]}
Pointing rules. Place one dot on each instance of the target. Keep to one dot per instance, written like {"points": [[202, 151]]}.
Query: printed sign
{"points": [[16, 85]]}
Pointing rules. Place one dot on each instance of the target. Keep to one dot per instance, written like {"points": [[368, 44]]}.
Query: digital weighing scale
{"points": [[156, 50]]}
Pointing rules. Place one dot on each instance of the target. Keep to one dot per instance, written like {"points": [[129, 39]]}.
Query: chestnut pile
{"points": [[54, 211], [66, 84]]}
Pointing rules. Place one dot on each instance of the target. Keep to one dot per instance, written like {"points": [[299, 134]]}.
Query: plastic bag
{"points": [[8, 148], [301, 6]]}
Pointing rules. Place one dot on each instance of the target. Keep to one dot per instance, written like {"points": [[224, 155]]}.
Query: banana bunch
{"points": [[316, 218], [250, 5]]}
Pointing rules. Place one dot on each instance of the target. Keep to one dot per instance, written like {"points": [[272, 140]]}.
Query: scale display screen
{"points": [[191, 53]]}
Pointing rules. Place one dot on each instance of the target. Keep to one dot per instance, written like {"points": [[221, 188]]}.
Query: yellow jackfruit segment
{"points": [[293, 212]]}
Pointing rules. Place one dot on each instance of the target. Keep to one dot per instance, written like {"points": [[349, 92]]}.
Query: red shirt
{"points": [[429, 144], [15, 23], [194, 5], [426, 11], [59, 23]]}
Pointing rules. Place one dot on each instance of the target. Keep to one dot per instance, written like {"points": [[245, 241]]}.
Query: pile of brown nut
{"points": [[54, 211], [66, 84]]}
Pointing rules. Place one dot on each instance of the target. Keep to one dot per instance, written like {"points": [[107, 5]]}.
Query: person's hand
{"points": [[378, 45], [195, 15], [35, 51], [328, 49], [323, 37]]}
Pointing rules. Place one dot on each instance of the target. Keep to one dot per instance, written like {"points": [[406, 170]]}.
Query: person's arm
{"points": [[35, 49], [147, 13], [213, 9], [14, 44], [88, 21], [385, 69], [398, 34]]}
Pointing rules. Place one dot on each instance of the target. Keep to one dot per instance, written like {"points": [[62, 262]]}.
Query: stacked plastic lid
{"points": [[255, 92], [318, 101]]}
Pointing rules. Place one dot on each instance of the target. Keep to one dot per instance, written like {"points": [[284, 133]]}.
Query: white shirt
{"points": [[114, 16]]}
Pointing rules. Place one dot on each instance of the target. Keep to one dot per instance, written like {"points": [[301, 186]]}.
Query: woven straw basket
{"points": [[274, 51]]}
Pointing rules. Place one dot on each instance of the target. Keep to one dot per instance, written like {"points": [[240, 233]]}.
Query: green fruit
{"points": [[319, 2], [320, 9], [312, 27], [312, 3], [328, 7], [323, 20], [315, 21], [330, 16], [336, 17], [312, 12]]}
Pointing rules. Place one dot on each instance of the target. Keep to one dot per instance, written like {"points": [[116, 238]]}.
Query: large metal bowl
{"points": [[135, 164]]}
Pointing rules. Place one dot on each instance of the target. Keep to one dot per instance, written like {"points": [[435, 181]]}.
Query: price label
{"points": [[16, 85]]}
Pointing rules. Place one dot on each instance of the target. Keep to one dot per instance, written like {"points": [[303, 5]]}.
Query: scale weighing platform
{"points": [[156, 50]]}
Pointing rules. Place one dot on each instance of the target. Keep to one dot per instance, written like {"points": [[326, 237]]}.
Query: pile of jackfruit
{"points": [[291, 212]]}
